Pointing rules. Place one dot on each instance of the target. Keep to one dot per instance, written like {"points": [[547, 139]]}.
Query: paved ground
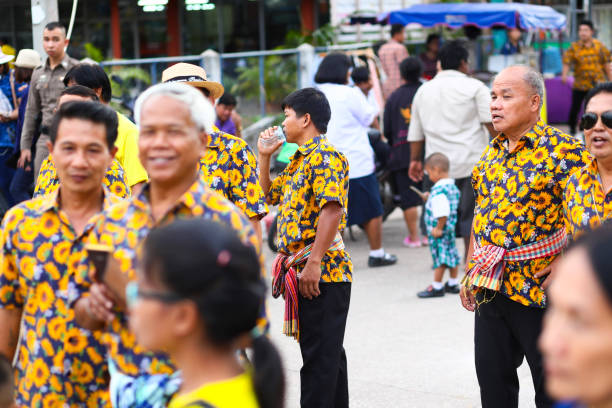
{"points": [[402, 351]]}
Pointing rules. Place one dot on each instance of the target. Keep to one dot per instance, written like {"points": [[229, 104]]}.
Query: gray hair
{"points": [[201, 110], [534, 81]]}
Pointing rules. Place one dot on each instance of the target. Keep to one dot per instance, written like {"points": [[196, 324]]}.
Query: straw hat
{"points": [[27, 58], [193, 75], [4, 58]]}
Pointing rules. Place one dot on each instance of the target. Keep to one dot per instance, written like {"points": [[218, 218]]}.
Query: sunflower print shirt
{"points": [[316, 175], [125, 227], [519, 199], [44, 265], [586, 206], [115, 180], [589, 63], [230, 168]]}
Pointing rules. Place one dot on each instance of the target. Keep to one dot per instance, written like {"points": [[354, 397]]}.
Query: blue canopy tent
{"points": [[483, 15]]}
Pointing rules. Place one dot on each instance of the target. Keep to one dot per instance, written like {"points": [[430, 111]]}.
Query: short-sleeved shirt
{"points": [[125, 226], [44, 267], [519, 197], [586, 205], [48, 181], [589, 62], [347, 130], [448, 113], [316, 175], [391, 54], [127, 151], [234, 392], [228, 126], [230, 168], [443, 201]]}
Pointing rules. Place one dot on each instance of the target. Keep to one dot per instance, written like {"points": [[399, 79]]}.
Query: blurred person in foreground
{"points": [[575, 340], [448, 114], [48, 181], [391, 54], [228, 164], [174, 122], [429, 57], [312, 271], [46, 266], [398, 115], [517, 234], [587, 202], [347, 131], [203, 286], [23, 180], [47, 84], [592, 64]]}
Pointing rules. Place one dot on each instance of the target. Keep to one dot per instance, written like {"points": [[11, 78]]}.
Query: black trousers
{"points": [[506, 331], [577, 98], [323, 376]]}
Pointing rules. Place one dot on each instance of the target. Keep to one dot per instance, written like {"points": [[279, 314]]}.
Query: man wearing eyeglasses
{"points": [[588, 195], [517, 233]]}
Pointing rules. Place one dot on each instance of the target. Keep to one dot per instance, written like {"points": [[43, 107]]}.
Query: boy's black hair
{"points": [[588, 23], [313, 102], [438, 161], [91, 111], [396, 28], [452, 54], [82, 91], [333, 69], [604, 87], [360, 75], [55, 24], [411, 69], [91, 76], [432, 37], [227, 99]]}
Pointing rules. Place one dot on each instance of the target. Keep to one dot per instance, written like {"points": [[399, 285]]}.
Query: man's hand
{"points": [[268, 143], [101, 302], [415, 172], [309, 278], [467, 299], [549, 271], [436, 232], [24, 158]]}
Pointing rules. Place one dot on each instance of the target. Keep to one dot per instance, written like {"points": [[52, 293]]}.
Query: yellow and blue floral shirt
{"points": [[519, 198], [125, 226], [48, 181], [230, 168], [316, 175], [44, 267], [586, 205]]}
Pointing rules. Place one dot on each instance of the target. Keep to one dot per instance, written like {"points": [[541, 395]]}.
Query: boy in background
{"points": [[440, 220]]}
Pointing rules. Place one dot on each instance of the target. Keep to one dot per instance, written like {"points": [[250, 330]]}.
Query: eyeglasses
{"points": [[589, 120], [133, 293]]}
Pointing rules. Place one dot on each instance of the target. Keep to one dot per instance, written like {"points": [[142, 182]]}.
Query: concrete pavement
{"points": [[402, 351]]}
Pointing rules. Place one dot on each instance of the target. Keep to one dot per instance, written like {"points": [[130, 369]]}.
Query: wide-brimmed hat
{"points": [[4, 58], [27, 58], [193, 75]]}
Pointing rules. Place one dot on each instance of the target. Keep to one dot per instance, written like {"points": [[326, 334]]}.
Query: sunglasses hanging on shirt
{"points": [[589, 120]]}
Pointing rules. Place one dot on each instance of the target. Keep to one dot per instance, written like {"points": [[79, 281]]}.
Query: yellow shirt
{"points": [[232, 393], [127, 151]]}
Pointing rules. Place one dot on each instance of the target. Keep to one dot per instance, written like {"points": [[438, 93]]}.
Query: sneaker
{"points": [[452, 288], [385, 260], [412, 244], [431, 292]]}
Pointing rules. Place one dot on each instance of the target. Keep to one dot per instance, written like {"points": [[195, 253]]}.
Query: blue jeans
{"points": [[21, 186]]}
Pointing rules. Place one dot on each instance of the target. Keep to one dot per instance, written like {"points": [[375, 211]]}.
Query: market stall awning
{"points": [[483, 15]]}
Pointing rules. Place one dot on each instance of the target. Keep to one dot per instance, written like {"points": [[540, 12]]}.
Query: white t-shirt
{"points": [[439, 204], [351, 115], [449, 112]]}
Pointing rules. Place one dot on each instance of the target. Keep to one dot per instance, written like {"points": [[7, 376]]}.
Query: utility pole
{"points": [[43, 12]]}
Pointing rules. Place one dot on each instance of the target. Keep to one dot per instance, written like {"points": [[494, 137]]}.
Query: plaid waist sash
{"points": [[284, 282], [490, 260]]}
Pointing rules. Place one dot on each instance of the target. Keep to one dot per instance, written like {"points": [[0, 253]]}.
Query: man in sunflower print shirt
{"points": [[588, 194], [48, 181], [45, 265], [312, 195], [174, 121], [518, 183]]}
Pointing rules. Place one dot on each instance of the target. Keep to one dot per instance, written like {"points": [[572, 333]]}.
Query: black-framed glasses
{"points": [[589, 119], [133, 293]]}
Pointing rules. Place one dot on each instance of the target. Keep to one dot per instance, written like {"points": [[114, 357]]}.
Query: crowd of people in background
{"points": [[135, 275]]}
